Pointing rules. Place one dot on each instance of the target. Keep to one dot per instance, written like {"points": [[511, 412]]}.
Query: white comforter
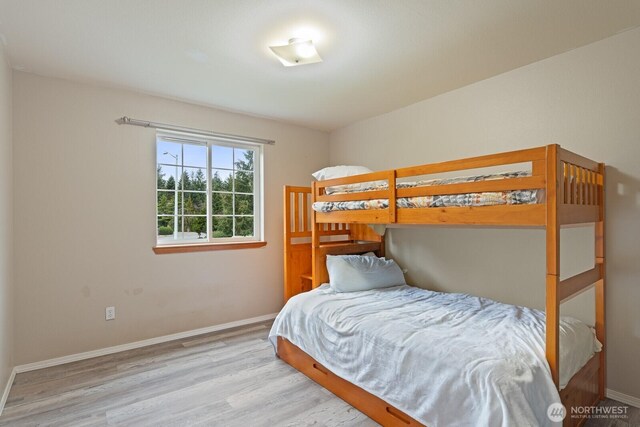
{"points": [[445, 359]]}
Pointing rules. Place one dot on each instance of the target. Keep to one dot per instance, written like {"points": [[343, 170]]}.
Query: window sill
{"points": [[203, 247]]}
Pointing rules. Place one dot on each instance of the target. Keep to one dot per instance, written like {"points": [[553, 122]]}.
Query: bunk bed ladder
{"points": [[297, 240], [303, 237]]}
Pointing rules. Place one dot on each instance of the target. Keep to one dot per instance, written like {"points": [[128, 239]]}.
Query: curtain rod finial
{"points": [[123, 120]]}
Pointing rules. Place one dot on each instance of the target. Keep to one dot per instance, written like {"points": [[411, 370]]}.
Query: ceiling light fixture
{"points": [[296, 52]]}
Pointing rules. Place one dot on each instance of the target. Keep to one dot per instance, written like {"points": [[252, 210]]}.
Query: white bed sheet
{"points": [[445, 359]]}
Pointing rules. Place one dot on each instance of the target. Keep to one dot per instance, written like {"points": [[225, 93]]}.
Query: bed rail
{"points": [[490, 160], [580, 190], [579, 195], [376, 216], [508, 215]]}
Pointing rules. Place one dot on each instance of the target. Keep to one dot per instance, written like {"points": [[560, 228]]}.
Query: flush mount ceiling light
{"points": [[296, 52]]}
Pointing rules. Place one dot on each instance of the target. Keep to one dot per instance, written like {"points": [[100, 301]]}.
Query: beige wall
{"points": [[85, 206], [6, 226], [587, 100]]}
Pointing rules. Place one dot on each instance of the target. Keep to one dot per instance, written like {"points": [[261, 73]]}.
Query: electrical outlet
{"points": [[110, 313]]}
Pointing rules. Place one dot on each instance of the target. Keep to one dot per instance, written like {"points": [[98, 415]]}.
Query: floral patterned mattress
{"points": [[516, 197]]}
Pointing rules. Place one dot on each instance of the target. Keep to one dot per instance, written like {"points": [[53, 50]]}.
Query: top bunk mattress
{"points": [[517, 197], [444, 359]]}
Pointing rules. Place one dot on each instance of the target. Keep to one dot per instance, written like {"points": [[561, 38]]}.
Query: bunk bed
{"points": [[568, 190]]}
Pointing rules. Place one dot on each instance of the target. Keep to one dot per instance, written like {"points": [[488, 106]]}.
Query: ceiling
{"points": [[379, 55]]}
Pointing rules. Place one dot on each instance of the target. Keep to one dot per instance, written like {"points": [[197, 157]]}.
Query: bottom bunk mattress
{"points": [[444, 359]]}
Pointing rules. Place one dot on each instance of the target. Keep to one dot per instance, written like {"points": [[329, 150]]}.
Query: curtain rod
{"points": [[162, 126]]}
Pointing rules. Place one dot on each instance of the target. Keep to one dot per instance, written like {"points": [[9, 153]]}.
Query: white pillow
{"points": [[351, 273], [339, 172]]}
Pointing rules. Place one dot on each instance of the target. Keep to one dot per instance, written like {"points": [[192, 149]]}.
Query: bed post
{"points": [[600, 285], [553, 264], [287, 241], [315, 240]]}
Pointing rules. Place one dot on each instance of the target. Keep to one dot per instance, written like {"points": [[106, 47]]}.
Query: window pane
{"points": [[221, 180], [195, 203], [244, 182], [244, 159], [222, 203], [166, 177], [222, 226], [193, 179], [194, 155], [165, 228], [221, 157], [171, 149], [161, 180], [244, 226], [166, 202], [244, 204], [195, 227]]}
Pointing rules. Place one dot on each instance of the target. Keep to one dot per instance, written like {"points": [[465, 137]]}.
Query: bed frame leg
{"points": [[600, 286], [553, 264]]}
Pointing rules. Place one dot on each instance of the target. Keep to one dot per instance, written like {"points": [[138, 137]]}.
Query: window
{"points": [[208, 190]]}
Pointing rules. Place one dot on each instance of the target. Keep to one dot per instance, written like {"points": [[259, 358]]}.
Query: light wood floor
{"points": [[229, 378]]}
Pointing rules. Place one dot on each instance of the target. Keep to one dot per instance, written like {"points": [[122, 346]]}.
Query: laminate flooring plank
{"points": [[629, 419], [265, 394], [178, 355], [260, 329], [170, 406], [182, 418], [332, 413], [215, 390], [284, 403]]}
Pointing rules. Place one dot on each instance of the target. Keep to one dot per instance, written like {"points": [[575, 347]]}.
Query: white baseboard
{"points": [[624, 398], [7, 389], [138, 344]]}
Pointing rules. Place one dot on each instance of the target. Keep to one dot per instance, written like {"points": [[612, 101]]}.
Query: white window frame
{"points": [[258, 187]]}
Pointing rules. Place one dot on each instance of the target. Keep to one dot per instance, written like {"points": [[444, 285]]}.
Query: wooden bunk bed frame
{"points": [[573, 194]]}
